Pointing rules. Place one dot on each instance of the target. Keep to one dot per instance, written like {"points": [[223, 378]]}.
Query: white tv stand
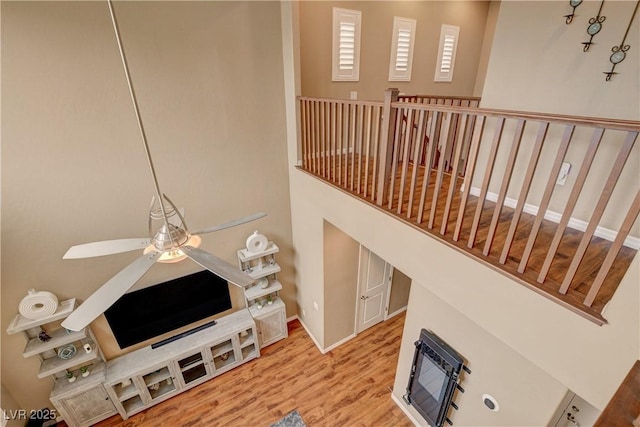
{"points": [[145, 377]]}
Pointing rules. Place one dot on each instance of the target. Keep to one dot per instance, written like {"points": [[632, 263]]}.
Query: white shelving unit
{"points": [[264, 302], [147, 376], [84, 401]]}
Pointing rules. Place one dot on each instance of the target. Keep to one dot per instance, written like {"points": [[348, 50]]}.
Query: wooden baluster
{"points": [[375, 150], [408, 134], [314, 139], [445, 138], [386, 144], [323, 140], [367, 144], [524, 191], [546, 197], [485, 182], [607, 191], [433, 146], [360, 146], [394, 157], [463, 136], [345, 154], [627, 223], [339, 134], [328, 136], [571, 203], [304, 125], [506, 179], [333, 142], [478, 132], [416, 159], [352, 144]]}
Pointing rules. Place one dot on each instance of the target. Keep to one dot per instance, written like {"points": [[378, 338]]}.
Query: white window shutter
{"points": [[447, 53], [346, 44], [403, 36]]}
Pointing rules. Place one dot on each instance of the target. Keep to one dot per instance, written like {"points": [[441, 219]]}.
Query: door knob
{"points": [[364, 297]]}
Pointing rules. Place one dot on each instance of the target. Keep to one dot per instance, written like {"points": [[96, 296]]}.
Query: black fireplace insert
{"points": [[434, 378]]}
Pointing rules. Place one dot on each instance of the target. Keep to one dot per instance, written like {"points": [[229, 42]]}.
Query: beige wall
{"points": [[526, 395], [11, 408], [400, 286], [537, 64], [377, 25], [341, 255], [209, 79]]}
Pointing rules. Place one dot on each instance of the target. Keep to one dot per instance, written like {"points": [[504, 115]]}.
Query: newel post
{"points": [[386, 144]]}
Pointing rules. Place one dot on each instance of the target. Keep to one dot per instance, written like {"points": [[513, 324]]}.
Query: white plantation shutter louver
{"points": [[447, 53], [402, 42], [346, 44]]}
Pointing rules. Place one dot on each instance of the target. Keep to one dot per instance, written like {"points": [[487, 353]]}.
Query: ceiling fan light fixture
{"points": [[174, 255]]}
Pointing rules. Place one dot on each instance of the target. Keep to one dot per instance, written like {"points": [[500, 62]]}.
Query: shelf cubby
{"points": [[54, 364], [164, 387], [248, 351], [58, 338], [133, 404], [194, 373], [157, 376], [222, 348]]}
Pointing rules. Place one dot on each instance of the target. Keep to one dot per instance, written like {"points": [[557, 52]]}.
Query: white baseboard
{"points": [[395, 313], [402, 406], [339, 343], [578, 224], [308, 333]]}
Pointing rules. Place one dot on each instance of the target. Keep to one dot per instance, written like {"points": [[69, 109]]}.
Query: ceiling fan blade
{"points": [[106, 247], [110, 292], [232, 223], [218, 266]]}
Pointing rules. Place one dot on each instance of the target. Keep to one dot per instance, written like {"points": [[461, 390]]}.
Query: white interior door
{"points": [[374, 280]]}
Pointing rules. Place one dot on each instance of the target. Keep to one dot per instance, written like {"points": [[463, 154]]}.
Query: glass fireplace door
{"points": [[434, 378]]}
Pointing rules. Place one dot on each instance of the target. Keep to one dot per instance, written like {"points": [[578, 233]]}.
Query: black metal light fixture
{"points": [[595, 25], [620, 51]]}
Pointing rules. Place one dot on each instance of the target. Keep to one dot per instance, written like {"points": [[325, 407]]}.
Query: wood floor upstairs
{"points": [[348, 386], [358, 180]]}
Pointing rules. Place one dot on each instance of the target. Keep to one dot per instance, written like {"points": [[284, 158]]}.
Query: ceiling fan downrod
{"points": [[160, 197]]}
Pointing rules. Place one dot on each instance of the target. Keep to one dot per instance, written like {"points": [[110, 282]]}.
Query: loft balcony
{"points": [[548, 200]]}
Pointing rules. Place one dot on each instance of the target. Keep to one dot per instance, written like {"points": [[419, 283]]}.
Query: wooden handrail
{"points": [[421, 161]]}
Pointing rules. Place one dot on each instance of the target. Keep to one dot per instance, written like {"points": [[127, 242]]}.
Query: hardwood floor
{"points": [[348, 386]]}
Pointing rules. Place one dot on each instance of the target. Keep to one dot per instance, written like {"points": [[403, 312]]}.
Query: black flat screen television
{"points": [[150, 312]]}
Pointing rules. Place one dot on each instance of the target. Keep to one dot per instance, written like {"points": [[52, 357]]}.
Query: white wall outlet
{"points": [[563, 174], [315, 305], [303, 312], [354, 94]]}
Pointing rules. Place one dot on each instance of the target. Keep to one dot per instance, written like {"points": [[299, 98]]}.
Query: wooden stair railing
{"points": [[484, 181]]}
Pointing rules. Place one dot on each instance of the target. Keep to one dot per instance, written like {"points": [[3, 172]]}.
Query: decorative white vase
{"points": [[72, 379], [85, 374]]}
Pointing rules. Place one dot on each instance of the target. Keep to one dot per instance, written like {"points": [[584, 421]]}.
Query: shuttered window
{"points": [[402, 41], [346, 44], [447, 53]]}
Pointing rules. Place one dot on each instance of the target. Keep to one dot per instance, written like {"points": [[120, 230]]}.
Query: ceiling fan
{"points": [[171, 241]]}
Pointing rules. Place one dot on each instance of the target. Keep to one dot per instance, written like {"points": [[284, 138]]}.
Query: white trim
{"points": [[389, 283], [395, 313], [449, 35], [404, 409], [575, 223], [311, 335], [346, 44], [339, 343], [401, 57]]}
